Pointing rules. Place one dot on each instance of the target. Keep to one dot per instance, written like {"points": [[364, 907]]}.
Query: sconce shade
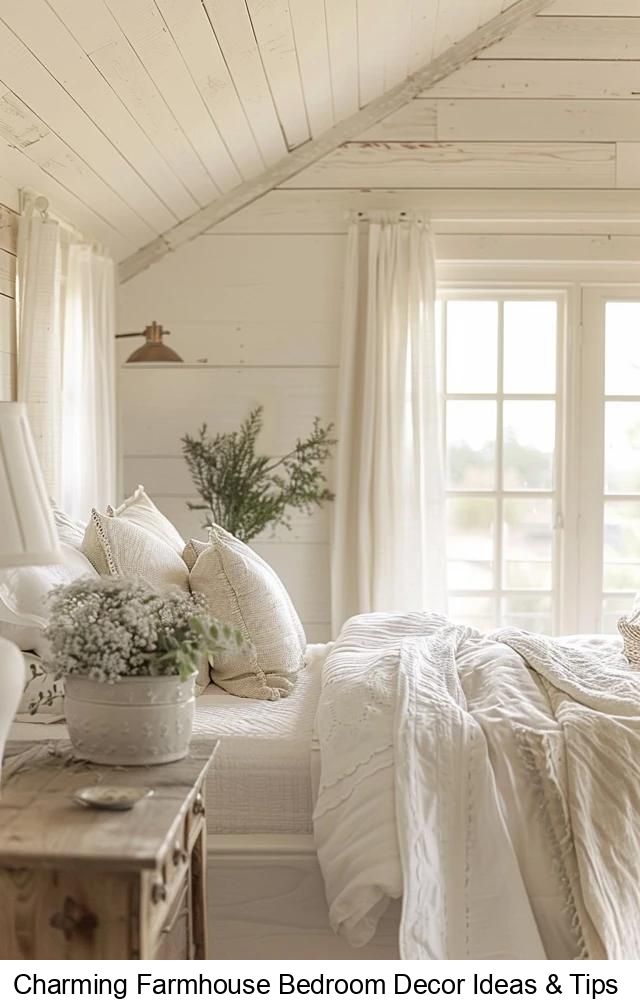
{"points": [[27, 530], [154, 350]]}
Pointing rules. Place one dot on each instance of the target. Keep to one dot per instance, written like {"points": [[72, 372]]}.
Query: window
{"points": [[503, 382], [609, 488]]}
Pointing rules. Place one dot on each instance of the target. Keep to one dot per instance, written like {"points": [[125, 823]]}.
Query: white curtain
{"points": [[66, 360], [39, 340], [388, 549], [88, 456]]}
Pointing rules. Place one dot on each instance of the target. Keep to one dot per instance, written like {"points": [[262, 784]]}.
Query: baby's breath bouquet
{"points": [[107, 629]]}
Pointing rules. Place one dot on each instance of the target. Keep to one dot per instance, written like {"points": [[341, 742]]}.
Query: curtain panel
{"points": [[388, 542], [39, 279], [66, 360]]}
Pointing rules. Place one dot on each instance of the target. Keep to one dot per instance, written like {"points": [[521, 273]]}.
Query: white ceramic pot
{"points": [[136, 720]]}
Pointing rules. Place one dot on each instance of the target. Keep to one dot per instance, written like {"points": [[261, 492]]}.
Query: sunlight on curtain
{"points": [[388, 548], [66, 360], [88, 461], [39, 346]]}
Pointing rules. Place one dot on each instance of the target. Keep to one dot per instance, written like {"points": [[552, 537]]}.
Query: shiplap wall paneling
{"points": [[326, 211], [563, 78], [135, 116], [265, 313], [312, 49], [222, 398], [145, 28], [36, 87], [233, 29], [547, 38], [273, 29], [379, 164], [342, 40], [20, 128], [522, 211], [188, 23], [8, 235], [24, 173], [524, 120], [272, 281]]}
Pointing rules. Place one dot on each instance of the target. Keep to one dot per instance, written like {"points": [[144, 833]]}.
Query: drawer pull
{"points": [[158, 892], [198, 805], [179, 854]]}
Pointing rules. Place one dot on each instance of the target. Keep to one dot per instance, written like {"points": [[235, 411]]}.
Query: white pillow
{"points": [[116, 547], [243, 591], [194, 548], [70, 531], [24, 601], [140, 510]]}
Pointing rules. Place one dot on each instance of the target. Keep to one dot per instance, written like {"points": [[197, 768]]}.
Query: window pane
{"points": [[529, 440], [530, 611], [479, 612], [470, 543], [530, 346], [622, 447], [613, 607], [472, 346], [527, 543], [622, 348], [621, 546], [471, 444]]}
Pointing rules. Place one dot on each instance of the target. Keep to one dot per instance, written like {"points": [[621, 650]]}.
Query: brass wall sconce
{"points": [[154, 350]]}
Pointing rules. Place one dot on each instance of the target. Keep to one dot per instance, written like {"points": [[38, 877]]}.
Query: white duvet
{"points": [[491, 781]]}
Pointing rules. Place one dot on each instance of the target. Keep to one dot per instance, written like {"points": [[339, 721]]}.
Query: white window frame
{"points": [[502, 292], [579, 517], [591, 451]]}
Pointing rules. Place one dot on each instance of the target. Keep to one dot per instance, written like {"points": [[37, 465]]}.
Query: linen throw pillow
{"points": [[116, 547], [243, 591], [141, 511], [192, 550]]}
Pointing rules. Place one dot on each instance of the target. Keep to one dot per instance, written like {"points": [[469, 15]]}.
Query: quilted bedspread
{"points": [[491, 781]]}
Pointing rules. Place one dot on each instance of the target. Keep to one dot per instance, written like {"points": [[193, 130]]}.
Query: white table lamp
{"points": [[27, 537]]}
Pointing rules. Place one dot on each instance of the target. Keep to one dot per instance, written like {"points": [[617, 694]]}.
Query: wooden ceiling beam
{"points": [[442, 66]]}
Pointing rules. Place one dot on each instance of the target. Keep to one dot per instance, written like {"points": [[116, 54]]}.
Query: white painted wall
{"points": [[254, 307], [264, 312]]}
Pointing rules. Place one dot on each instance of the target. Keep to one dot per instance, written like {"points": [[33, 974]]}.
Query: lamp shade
{"points": [[27, 531]]}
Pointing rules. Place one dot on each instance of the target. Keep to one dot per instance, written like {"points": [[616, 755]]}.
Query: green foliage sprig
{"points": [[244, 491]]}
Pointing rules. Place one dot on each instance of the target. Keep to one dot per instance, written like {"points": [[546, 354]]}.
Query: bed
{"points": [[277, 888], [265, 889], [266, 892]]}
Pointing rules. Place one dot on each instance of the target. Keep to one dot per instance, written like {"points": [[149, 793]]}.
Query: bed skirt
{"points": [[266, 902]]}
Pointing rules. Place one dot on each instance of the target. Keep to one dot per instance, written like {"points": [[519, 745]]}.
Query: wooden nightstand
{"points": [[83, 884]]}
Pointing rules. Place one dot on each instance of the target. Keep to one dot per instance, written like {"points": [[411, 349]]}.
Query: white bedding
{"points": [[498, 787], [260, 781]]}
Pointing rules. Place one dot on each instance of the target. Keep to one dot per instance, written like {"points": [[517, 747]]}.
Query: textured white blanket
{"points": [[491, 781]]}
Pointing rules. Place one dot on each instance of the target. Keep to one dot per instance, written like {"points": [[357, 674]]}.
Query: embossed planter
{"points": [[137, 720]]}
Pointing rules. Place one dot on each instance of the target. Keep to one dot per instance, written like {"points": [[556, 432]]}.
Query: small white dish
{"points": [[110, 797]]}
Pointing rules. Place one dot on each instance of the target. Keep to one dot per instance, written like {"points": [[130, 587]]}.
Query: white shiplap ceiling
{"points": [[132, 116]]}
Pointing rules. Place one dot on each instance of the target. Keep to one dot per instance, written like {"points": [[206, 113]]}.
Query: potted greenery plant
{"points": [[130, 657], [245, 491]]}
